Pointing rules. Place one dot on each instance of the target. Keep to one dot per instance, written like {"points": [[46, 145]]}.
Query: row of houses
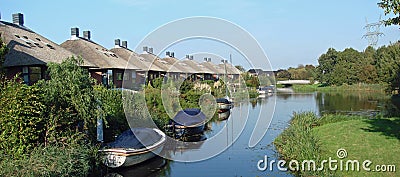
{"points": [[29, 53]]}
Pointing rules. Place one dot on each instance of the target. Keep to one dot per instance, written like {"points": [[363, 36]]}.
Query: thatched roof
{"points": [[230, 69], [197, 68], [155, 62], [97, 54], [29, 48], [213, 67], [178, 66], [134, 59]]}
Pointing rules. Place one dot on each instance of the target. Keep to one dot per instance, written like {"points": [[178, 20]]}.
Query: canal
{"points": [[241, 160]]}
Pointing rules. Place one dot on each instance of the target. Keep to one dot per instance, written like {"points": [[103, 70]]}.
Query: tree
{"points": [[391, 7], [71, 104], [326, 66]]}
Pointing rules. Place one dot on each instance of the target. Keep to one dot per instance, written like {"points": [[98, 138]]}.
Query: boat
{"points": [[189, 121], [132, 147], [224, 115], [223, 104]]}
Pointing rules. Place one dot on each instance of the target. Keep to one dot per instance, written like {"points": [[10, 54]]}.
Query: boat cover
{"points": [[189, 117]]}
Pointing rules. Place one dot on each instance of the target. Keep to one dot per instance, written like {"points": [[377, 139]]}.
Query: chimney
{"points": [[125, 44], [74, 33], [18, 19], [168, 54], [151, 50], [117, 43], [86, 35], [145, 49]]}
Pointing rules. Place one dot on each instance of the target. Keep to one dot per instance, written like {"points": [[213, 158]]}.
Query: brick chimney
{"points": [[18, 19]]}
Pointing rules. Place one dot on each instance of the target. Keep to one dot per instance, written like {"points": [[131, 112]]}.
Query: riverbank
{"points": [[344, 87], [311, 138]]}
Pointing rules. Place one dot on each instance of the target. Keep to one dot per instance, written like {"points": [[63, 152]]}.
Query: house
{"points": [[146, 71], [199, 71], [156, 69], [111, 69], [217, 71], [181, 70], [231, 71], [29, 52]]}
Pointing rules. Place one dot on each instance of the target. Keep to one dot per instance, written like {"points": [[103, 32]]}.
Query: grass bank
{"points": [[345, 87], [53, 160], [311, 138]]}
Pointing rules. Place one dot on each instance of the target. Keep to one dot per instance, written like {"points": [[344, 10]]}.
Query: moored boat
{"points": [[188, 122], [224, 115], [223, 104], [133, 147]]}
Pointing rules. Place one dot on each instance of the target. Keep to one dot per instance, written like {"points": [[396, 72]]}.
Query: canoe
{"points": [[189, 121], [133, 147]]}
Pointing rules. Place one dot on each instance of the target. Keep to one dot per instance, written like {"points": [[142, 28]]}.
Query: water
{"points": [[241, 160]]}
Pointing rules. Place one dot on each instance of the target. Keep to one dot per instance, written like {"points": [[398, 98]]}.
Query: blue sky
{"points": [[290, 32]]}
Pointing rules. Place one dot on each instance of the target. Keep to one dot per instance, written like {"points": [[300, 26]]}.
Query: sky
{"points": [[289, 32]]}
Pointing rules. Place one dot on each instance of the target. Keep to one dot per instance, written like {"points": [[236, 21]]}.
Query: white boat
{"points": [[133, 147]]}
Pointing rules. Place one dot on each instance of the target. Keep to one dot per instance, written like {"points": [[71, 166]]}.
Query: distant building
{"points": [[260, 72]]}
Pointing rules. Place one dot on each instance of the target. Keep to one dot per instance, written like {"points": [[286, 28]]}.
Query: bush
{"points": [[112, 110], [70, 100], [21, 122]]}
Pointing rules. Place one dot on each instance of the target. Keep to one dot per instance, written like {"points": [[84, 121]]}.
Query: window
{"points": [[31, 74], [126, 77], [35, 74], [133, 74], [119, 76], [25, 75]]}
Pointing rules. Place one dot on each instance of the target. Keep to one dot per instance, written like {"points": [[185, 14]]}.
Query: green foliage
{"points": [[391, 7], [21, 120], [111, 104], [157, 82], [352, 67], [298, 142], [250, 80], [71, 104], [53, 160], [3, 52]]}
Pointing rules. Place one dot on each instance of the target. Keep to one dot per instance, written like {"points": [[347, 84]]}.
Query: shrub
{"points": [[70, 100], [20, 117]]}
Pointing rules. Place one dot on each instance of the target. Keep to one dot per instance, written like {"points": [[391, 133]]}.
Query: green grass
{"points": [[312, 138], [76, 160], [364, 139], [345, 87]]}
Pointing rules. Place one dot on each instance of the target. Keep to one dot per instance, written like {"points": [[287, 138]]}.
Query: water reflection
{"points": [[156, 166], [239, 159]]}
